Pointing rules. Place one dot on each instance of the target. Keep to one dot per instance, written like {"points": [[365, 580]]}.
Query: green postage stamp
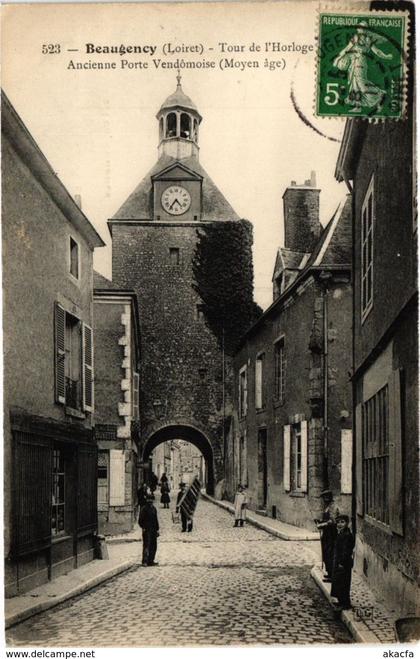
{"points": [[362, 65]]}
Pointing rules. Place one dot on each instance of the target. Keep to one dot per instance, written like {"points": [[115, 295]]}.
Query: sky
{"points": [[98, 127]]}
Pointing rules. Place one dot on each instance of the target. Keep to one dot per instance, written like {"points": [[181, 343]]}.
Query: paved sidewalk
{"points": [[369, 621], [62, 588], [273, 526]]}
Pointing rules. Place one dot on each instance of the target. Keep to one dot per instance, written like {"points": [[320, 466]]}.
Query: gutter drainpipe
{"points": [[325, 314]]}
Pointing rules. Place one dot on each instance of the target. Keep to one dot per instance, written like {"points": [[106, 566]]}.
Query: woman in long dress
{"points": [[354, 59], [164, 491], [240, 504]]}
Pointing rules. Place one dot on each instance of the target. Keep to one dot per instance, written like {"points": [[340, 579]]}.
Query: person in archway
{"points": [[186, 523], [164, 491], [149, 523], [241, 501]]}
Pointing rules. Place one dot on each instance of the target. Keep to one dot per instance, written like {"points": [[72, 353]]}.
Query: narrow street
{"points": [[218, 585]]}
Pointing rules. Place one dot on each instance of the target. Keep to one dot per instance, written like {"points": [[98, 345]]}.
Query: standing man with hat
{"points": [[343, 563], [186, 523], [328, 528], [148, 520]]}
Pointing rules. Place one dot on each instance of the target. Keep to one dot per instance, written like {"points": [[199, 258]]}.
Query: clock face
{"points": [[176, 200]]}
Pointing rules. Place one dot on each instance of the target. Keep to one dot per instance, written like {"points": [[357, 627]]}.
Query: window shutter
{"points": [[116, 478], [87, 471], [304, 440], [395, 454], [246, 392], [359, 460], [60, 353], [135, 396], [286, 458], [346, 461], [258, 383], [87, 359]]}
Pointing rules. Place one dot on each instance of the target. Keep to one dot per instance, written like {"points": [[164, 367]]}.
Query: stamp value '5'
{"points": [[361, 68]]}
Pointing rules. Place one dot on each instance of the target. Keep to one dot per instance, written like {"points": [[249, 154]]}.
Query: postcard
{"points": [[209, 261]]}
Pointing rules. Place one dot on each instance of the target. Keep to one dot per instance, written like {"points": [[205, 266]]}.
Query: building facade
{"points": [[184, 381], [117, 415], [291, 436], [49, 449], [385, 356]]}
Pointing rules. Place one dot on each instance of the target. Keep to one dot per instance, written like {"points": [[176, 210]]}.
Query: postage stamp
{"points": [[362, 64]]}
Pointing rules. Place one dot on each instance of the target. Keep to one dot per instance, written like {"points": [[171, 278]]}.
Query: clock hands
{"points": [[175, 201]]}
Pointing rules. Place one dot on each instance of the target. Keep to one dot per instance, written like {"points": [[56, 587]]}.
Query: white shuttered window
{"points": [[346, 461], [286, 458], [87, 345], [116, 478]]}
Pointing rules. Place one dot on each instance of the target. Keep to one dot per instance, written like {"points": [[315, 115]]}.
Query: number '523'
{"points": [[51, 48]]}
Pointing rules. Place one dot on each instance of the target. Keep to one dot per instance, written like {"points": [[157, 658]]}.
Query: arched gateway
{"points": [[185, 375], [189, 434]]}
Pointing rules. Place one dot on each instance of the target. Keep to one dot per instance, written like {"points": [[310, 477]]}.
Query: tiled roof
{"points": [[334, 244], [291, 259], [101, 282]]}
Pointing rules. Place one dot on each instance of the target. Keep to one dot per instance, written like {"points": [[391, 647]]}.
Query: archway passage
{"points": [[188, 434]]}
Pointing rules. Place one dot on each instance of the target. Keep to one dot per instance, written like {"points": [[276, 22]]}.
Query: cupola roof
{"points": [[179, 99]]}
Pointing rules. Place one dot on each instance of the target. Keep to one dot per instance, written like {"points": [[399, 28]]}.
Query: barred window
{"points": [[58, 507], [102, 478], [367, 251], [375, 434], [279, 370]]}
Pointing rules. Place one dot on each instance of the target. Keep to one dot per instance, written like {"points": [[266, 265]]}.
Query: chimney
{"points": [[78, 200], [301, 215]]}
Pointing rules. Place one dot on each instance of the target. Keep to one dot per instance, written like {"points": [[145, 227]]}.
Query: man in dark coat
{"points": [[343, 563], [327, 526], [187, 524], [153, 482], [142, 493], [149, 523]]}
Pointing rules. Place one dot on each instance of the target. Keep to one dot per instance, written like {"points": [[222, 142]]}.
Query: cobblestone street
{"points": [[216, 586]]}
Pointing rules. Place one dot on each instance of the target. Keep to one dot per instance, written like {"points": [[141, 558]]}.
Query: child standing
{"points": [[240, 504], [343, 562]]}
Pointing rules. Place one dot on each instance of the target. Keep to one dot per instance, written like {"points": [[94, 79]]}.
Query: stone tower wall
{"points": [[181, 362]]}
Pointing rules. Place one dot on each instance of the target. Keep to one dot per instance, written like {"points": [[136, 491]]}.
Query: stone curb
{"points": [[29, 611], [357, 628], [300, 536], [118, 540]]}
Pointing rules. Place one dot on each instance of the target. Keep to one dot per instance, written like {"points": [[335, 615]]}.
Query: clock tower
{"points": [[184, 376]]}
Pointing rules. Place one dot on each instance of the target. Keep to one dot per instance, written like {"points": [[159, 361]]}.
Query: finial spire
{"points": [[178, 79]]}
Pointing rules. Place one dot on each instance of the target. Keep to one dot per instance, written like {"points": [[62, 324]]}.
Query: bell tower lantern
{"points": [[179, 120]]}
